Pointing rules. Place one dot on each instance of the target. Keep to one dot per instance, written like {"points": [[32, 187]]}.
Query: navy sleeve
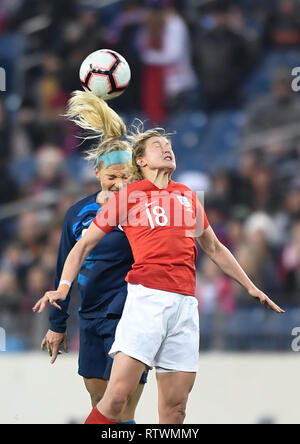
{"points": [[58, 317]]}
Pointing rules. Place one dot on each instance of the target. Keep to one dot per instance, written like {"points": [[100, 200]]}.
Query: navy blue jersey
{"points": [[101, 280]]}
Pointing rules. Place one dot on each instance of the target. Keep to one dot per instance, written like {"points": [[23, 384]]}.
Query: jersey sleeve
{"points": [[201, 219], [58, 318], [113, 213]]}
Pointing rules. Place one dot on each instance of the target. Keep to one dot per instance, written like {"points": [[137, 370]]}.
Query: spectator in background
{"points": [[81, 36], [168, 76], [9, 292], [221, 187], [214, 290], [255, 186], [91, 36], [248, 26], [222, 58], [242, 194], [49, 87], [291, 204], [8, 188], [36, 282], [10, 301], [289, 210], [50, 174], [48, 256], [11, 258], [263, 196], [16, 261], [218, 202], [66, 199], [28, 132], [52, 100], [235, 233], [4, 134], [290, 267], [256, 255], [282, 28], [216, 297], [50, 19], [3, 19], [27, 266], [31, 236], [274, 118], [124, 36], [217, 212]]}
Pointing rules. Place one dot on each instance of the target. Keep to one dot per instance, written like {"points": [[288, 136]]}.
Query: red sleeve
{"points": [[206, 223], [113, 212], [201, 218]]}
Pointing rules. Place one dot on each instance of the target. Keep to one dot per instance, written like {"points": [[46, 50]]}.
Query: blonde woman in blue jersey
{"points": [[101, 280]]}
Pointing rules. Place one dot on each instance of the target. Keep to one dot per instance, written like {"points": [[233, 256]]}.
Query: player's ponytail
{"points": [[92, 114]]}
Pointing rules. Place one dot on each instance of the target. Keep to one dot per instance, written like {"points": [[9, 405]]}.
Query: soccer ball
{"points": [[105, 73]]}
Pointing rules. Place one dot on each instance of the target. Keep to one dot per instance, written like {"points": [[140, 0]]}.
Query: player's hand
{"points": [[263, 299], [52, 341], [51, 297]]}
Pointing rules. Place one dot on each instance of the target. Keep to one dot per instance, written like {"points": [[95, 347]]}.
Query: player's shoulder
{"points": [[178, 186], [145, 185], [137, 185]]}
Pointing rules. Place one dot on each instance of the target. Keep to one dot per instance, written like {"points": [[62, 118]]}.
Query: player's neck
{"points": [[160, 178]]}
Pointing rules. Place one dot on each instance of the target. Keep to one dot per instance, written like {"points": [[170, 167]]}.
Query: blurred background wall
{"points": [[231, 388], [219, 73]]}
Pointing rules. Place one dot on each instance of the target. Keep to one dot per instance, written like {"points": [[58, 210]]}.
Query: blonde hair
{"points": [[108, 146], [92, 114], [138, 138]]}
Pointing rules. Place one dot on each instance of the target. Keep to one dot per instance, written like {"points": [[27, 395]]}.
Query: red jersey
{"points": [[161, 226]]}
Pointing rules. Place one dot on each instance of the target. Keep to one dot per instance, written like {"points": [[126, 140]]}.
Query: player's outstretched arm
{"points": [[72, 266], [222, 257]]}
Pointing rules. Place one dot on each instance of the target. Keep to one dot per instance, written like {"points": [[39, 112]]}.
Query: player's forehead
{"points": [[116, 169]]}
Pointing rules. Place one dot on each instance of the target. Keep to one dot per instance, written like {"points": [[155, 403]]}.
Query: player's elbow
{"points": [[79, 252], [213, 248], [210, 244]]}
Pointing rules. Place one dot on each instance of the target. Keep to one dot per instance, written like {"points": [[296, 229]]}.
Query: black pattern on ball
{"points": [[108, 73]]}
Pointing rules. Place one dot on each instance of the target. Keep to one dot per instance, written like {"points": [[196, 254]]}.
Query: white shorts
{"points": [[160, 329]]}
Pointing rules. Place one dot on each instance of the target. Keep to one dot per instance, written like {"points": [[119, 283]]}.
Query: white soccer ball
{"points": [[105, 73]]}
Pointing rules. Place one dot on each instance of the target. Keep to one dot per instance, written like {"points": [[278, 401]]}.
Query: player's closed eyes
{"points": [[115, 177], [159, 145]]}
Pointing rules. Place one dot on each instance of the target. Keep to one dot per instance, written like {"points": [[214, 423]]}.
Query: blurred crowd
{"points": [[191, 59]]}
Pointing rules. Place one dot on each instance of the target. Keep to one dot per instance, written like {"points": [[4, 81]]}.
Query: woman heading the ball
{"points": [[101, 279], [159, 326]]}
